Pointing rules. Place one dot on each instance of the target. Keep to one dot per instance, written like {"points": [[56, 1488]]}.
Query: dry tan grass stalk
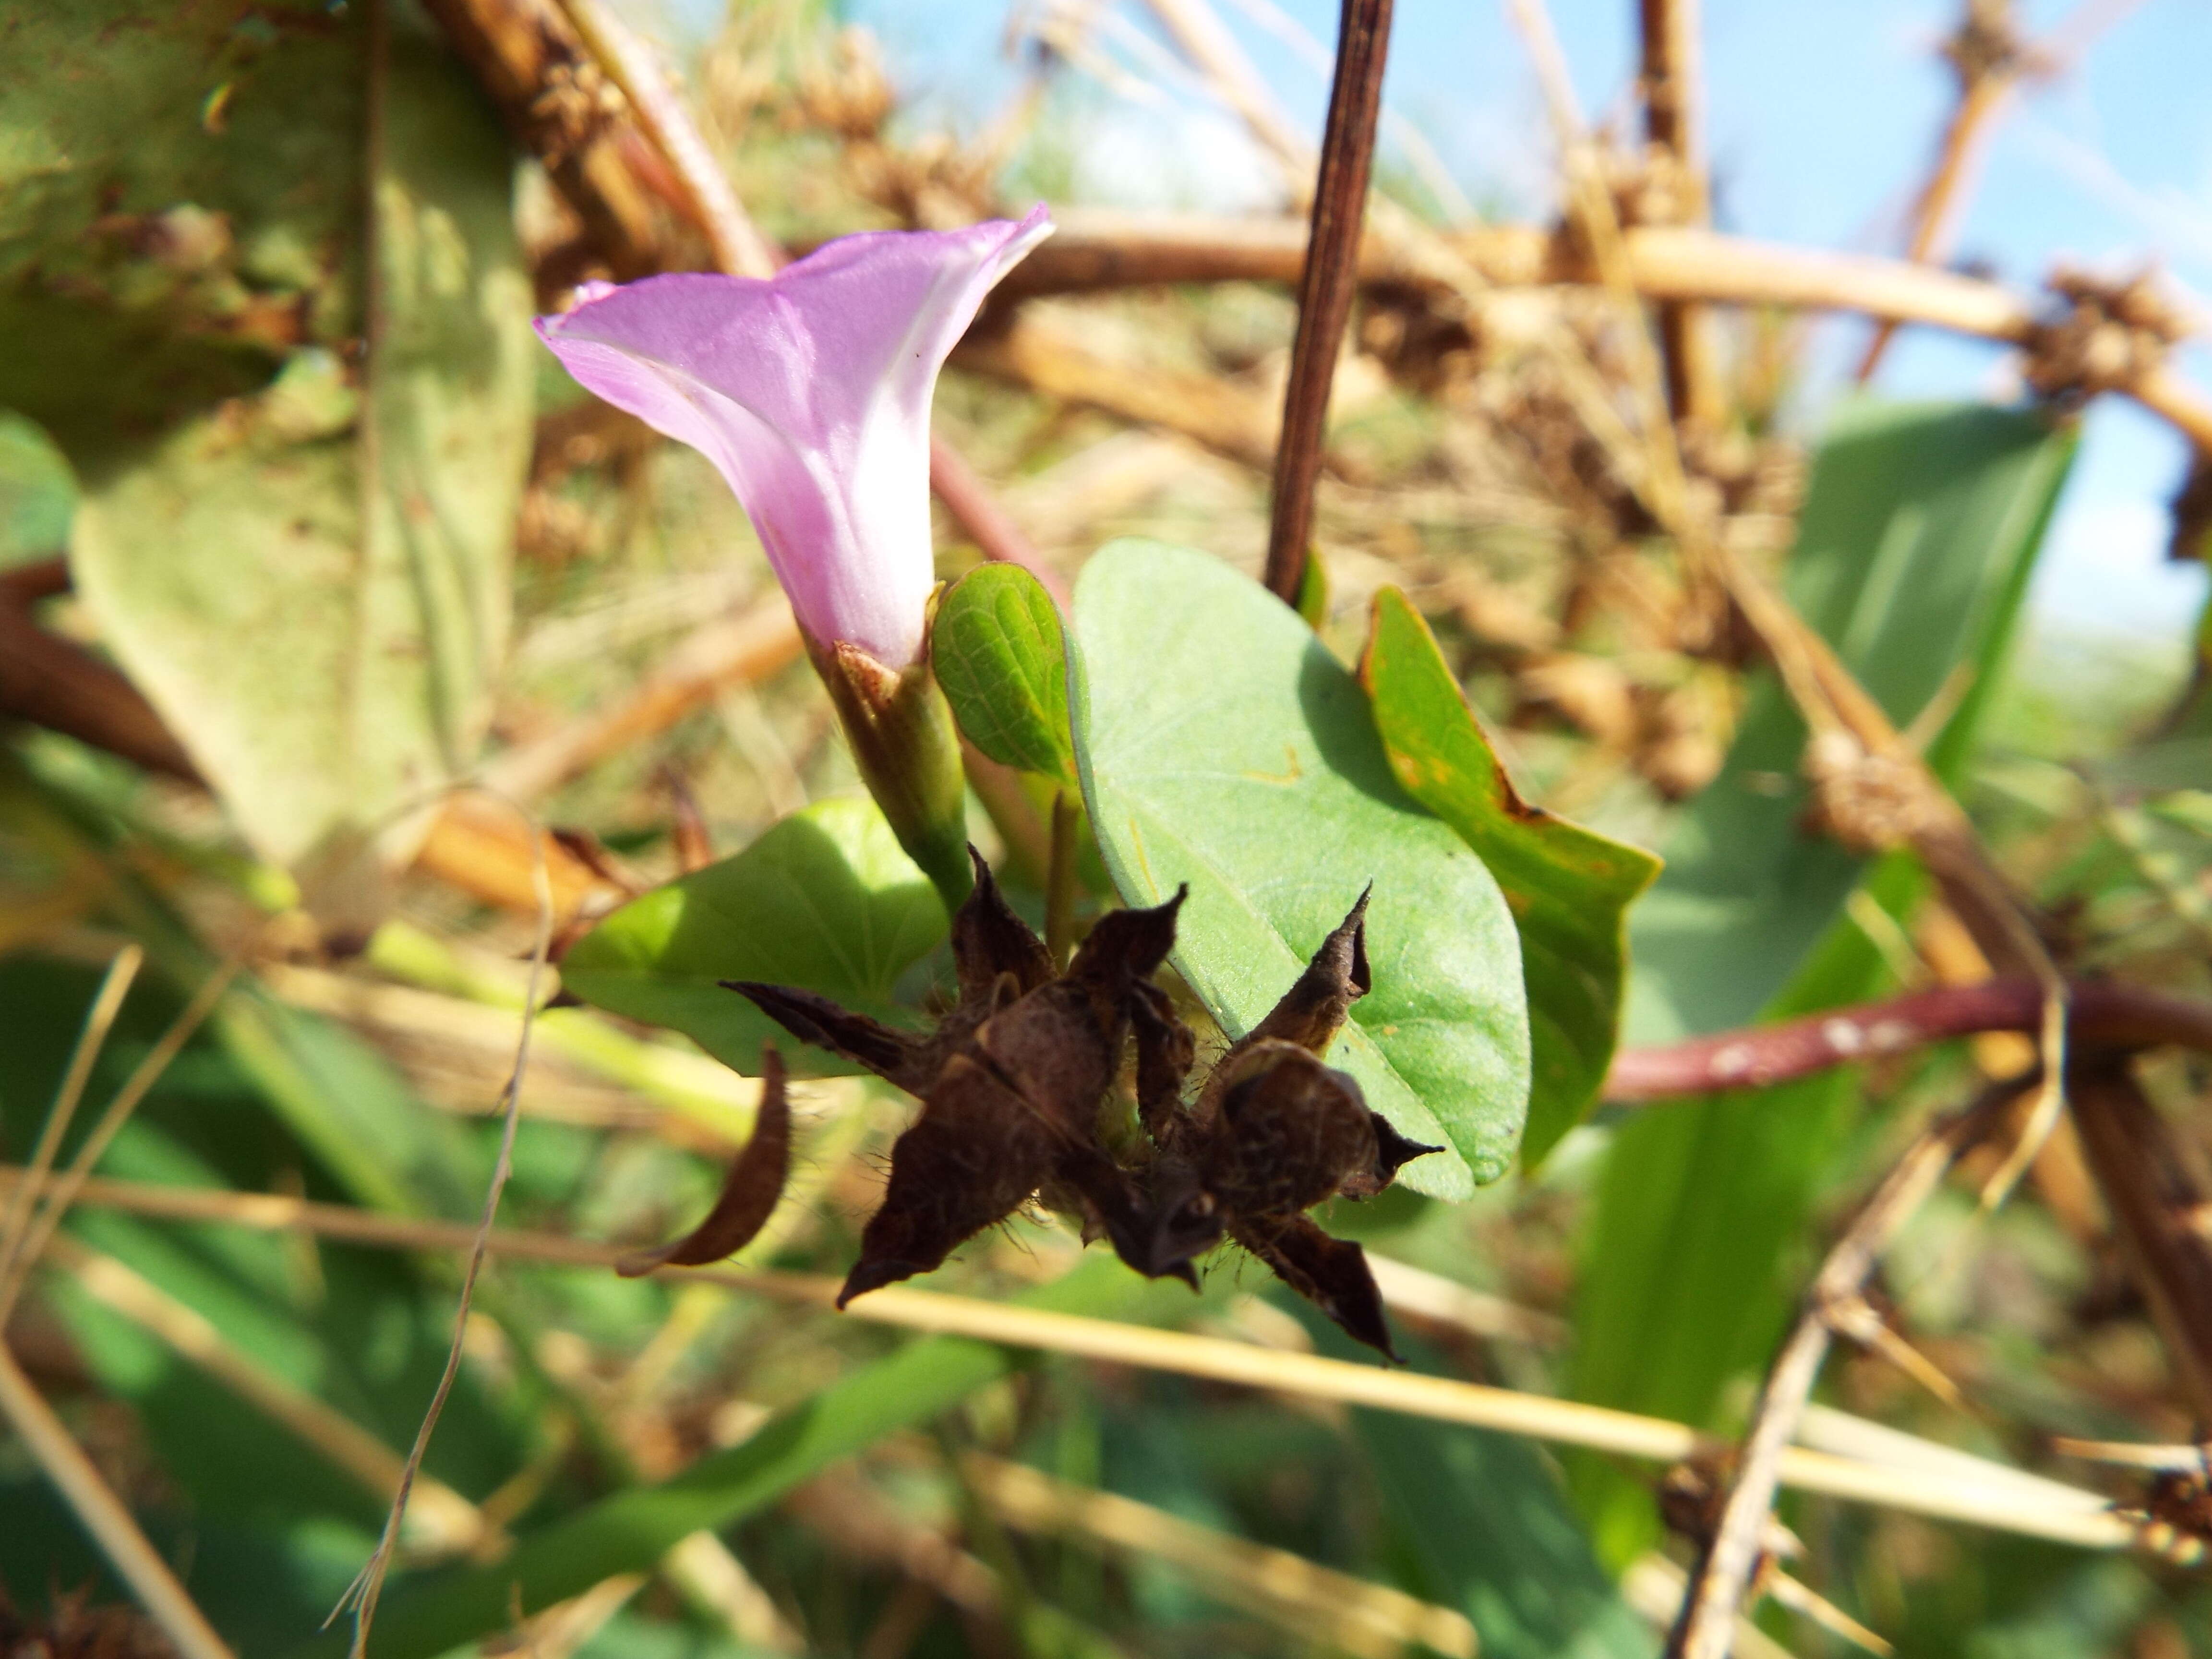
{"points": [[136, 1087], [1996, 1500], [738, 246], [1424, 1295], [1669, 264], [1674, 124], [135, 1561], [704, 1093], [1653, 1586], [563, 1628], [1368, 1620], [710, 1577], [99, 1019], [2135, 1455], [1729, 1562]]}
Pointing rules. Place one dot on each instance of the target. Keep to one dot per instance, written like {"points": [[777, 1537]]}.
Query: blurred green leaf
{"points": [[357, 535], [825, 900], [631, 1530], [998, 651], [1569, 888], [181, 191], [1482, 1525], [1222, 746], [1919, 531], [1920, 526], [38, 492]]}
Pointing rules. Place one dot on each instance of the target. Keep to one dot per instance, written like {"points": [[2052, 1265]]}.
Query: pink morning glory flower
{"points": [[810, 392]]}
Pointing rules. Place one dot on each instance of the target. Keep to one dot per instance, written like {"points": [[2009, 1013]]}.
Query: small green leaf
{"points": [[825, 900], [998, 653], [1570, 888], [38, 492], [1222, 746], [1313, 590]]}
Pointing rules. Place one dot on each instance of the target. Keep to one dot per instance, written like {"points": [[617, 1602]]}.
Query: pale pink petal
{"points": [[811, 392]]}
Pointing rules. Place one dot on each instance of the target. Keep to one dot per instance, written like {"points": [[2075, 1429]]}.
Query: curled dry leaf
{"points": [[1015, 1079], [750, 1191]]}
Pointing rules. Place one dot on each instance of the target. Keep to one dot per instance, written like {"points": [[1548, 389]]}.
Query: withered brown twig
{"points": [[2103, 1012], [1726, 1566], [1672, 124], [1326, 289], [2158, 1209]]}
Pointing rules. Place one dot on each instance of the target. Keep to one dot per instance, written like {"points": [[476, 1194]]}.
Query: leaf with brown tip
{"points": [[750, 1191]]}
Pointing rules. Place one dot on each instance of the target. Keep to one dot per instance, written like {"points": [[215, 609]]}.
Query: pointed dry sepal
{"points": [[1332, 1273], [970, 1160], [750, 1191], [897, 1057], [988, 939]]}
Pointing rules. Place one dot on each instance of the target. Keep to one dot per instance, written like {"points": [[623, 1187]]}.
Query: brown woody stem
{"points": [[1729, 1562], [1325, 290], [2100, 1014]]}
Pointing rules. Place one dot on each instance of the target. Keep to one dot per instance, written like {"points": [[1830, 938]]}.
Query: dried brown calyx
{"points": [[1017, 1077], [750, 1191]]}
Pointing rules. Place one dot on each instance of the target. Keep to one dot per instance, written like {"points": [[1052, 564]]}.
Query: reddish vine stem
{"points": [[2100, 1013], [1326, 286]]}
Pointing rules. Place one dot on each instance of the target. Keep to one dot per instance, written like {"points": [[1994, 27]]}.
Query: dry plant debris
{"points": [[1017, 1083]]}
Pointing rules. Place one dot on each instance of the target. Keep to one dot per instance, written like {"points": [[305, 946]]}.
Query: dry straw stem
{"points": [[2159, 1210], [1673, 123], [1990, 62], [99, 1019], [1729, 1561], [1653, 1586], [1327, 284], [1096, 251], [1988, 59], [1948, 1489], [136, 1087], [135, 1561], [1052, 359], [738, 246], [1368, 1620]]}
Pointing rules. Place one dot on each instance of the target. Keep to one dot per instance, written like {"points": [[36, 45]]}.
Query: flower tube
{"points": [[810, 392]]}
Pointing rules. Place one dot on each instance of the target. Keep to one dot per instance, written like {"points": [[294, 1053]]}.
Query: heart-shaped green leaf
{"points": [[825, 900], [1570, 888], [1221, 744], [998, 651]]}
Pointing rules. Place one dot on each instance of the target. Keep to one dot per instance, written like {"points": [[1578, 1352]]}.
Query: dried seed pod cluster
{"points": [[1017, 1077]]}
